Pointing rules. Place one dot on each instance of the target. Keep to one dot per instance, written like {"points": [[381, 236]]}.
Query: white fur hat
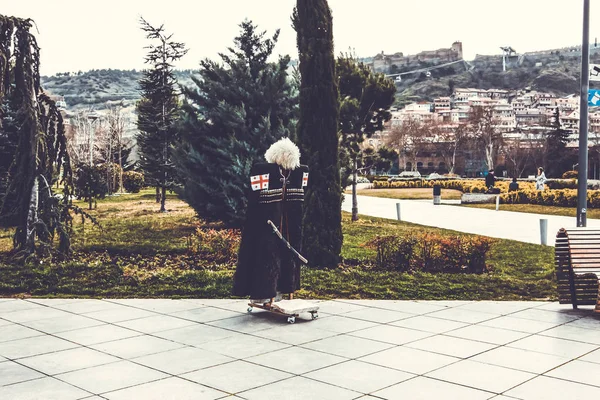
{"points": [[284, 153]]}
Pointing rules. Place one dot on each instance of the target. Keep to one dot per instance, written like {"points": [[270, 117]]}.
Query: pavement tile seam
{"points": [[58, 379], [569, 380], [291, 375], [63, 372], [345, 359], [133, 360], [361, 394], [208, 320], [303, 345], [168, 377], [102, 393], [461, 358], [41, 354], [26, 380], [545, 376], [493, 394], [389, 309], [241, 393]]}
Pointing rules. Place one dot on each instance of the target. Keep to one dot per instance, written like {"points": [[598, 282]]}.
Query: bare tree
{"points": [[116, 127], [397, 139], [412, 137], [85, 137], [482, 127], [449, 142], [517, 151]]}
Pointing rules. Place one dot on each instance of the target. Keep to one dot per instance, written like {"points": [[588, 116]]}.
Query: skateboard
{"points": [[288, 308]]}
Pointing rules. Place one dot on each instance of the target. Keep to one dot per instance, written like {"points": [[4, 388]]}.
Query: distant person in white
{"points": [[540, 179]]}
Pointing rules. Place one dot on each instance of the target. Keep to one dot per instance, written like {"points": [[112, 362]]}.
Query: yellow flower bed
{"points": [[464, 185]]}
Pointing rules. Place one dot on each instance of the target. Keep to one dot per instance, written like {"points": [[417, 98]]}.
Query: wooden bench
{"points": [[577, 257]]}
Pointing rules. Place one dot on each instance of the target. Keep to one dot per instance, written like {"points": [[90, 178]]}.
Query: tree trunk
{"points": [[32, 216], [109, 167], [453, 163], [157, 194], [163, 199], [120, 167], [354, 198], [489, 155]]}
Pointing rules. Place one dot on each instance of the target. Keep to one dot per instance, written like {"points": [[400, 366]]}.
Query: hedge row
{"points": [[559, 197], [463, 185]]}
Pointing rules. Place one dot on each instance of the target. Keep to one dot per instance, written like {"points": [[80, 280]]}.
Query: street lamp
{"points": [[583, 119]]}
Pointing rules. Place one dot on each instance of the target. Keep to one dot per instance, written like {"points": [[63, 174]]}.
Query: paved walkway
{"points": [[524, 227], [212, 349]]}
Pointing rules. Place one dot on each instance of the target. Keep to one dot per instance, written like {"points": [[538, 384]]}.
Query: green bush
{"points": [[133, 181], [90, 183], [570, 175]]}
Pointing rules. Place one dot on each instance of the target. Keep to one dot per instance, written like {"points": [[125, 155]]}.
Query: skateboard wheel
{"points": [[291, 320], [249, 309], [314, 315]]}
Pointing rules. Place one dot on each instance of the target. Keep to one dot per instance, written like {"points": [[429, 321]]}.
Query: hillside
{"points": [[553, 72], [547, 72], [97, 87]]}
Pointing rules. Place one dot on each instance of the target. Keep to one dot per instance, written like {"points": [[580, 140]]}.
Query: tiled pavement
{"points": [[211, 349]]}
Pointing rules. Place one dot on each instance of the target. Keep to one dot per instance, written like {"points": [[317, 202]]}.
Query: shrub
{"points": [[90, 183], [133, 181], [570, 175], [112, 172], [393, 252], [432, 253], [219, 246]]}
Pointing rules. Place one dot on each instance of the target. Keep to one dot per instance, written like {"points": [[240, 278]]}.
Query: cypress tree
{"points": [[235, 111], [158, 110], [318, 132]]}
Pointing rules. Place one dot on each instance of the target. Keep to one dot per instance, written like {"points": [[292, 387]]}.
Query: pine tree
{"points": [[236, 110], [158, 110], [318, 132]]}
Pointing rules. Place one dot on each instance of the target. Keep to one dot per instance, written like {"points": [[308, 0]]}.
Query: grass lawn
{"points": [[408, 194], [140, 252], [538, 209]]}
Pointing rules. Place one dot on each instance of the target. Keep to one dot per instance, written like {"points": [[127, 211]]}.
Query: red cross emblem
{"points": [[259, 182], [305, 179]]}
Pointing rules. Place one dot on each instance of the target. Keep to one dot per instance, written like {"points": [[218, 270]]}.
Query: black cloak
{"points": [[265, 264]]}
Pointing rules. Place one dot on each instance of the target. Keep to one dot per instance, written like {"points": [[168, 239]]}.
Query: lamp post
{"points": [[583, 119]]}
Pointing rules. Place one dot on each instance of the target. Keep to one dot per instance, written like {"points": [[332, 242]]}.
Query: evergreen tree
{"points": [[236, 110], [557, 158], [40, 158], [9, 138], [158, 110], [364, 106], [318, 132]]}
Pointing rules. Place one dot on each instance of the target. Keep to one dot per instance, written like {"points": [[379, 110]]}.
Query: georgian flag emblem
{"points": [[259, 182], [305, 179]]}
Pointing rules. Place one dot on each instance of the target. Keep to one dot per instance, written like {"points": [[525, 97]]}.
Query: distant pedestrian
{"points": [[490, 179], [513, 186], [540, 179]]}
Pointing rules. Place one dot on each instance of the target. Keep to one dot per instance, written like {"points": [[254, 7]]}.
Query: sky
{"points": [[81, 34]]}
